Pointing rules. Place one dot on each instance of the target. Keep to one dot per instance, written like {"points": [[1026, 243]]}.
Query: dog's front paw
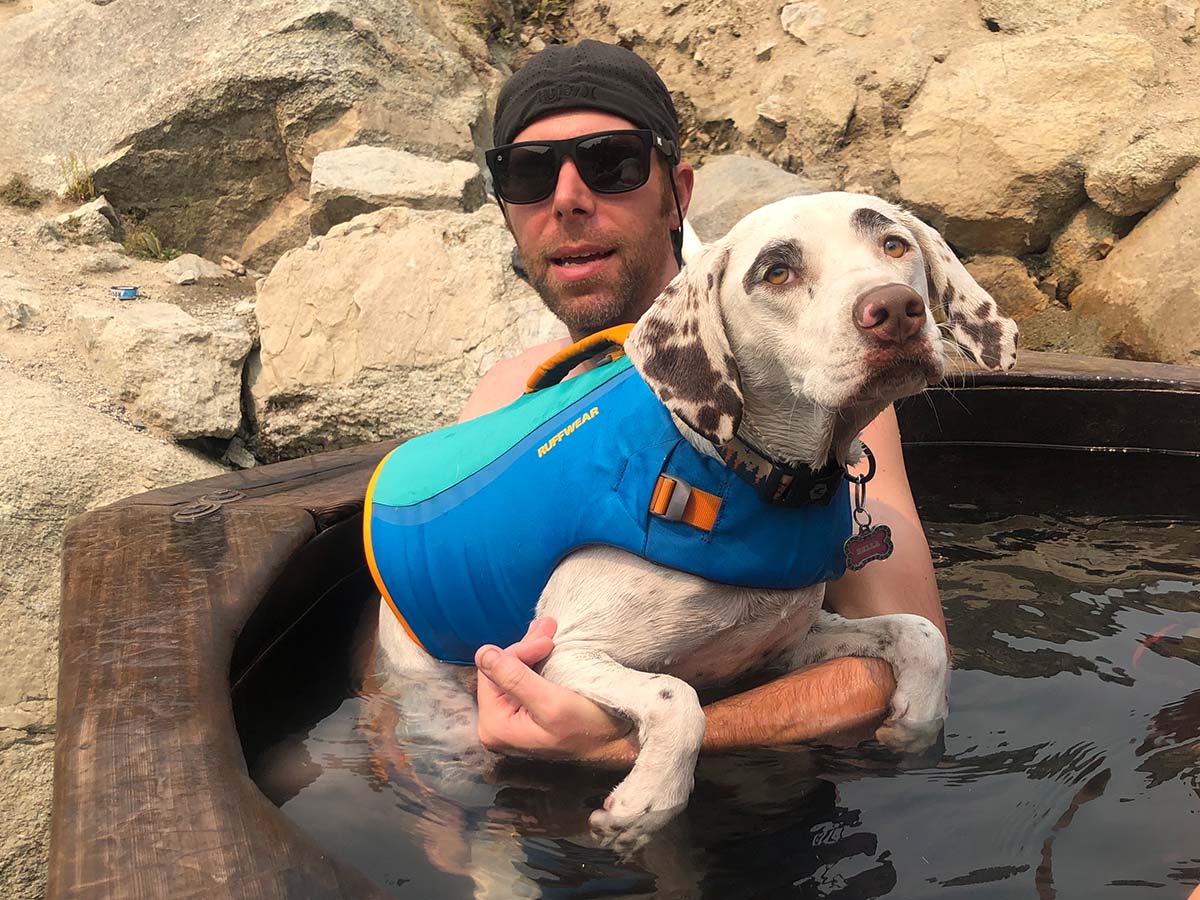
{"points": [[626, 826], [907, 735]]}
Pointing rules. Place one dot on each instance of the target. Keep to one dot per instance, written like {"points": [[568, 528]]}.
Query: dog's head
{"points": [[826, 297]]}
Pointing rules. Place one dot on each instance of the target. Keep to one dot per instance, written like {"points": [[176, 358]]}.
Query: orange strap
{"points": [[699, 508], [555, 369]]}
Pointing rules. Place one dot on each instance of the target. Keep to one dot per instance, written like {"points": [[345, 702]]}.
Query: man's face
{"points": [[597, 259]]}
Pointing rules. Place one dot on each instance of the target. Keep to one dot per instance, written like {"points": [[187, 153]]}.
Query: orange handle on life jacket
{"points": [[555, 369]]}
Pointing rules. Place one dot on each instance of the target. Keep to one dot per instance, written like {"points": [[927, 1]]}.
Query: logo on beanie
{"points": [[557, 92]]}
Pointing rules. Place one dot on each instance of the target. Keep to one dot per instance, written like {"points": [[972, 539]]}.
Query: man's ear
{"points": [[685, 181], [681, 349], [973, 316]]}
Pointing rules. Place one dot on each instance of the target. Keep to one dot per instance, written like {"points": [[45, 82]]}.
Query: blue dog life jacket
{"points": [[464, 526]]}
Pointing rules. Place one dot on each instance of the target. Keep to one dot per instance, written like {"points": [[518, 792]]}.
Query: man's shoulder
{"points": [[505, 381]]}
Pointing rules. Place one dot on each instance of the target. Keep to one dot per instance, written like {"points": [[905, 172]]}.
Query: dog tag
{"points": [[871, 543]]}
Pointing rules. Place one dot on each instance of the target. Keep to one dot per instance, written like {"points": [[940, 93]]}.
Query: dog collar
{"points": [[779, 483]]}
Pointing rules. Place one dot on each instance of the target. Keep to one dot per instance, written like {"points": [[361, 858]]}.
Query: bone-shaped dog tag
{"points": [[869, 544]]}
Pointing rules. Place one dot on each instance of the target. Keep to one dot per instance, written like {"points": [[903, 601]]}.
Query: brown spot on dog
{"points": [[870, 222], [985, 338], [666, 694], [776, 253]]}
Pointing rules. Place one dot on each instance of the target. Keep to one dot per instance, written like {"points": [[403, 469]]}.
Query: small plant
{"points": [[142, 242], [77, 179], [17, 191]]}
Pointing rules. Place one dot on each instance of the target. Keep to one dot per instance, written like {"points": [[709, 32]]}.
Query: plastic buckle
{"points": [[680, 494]]}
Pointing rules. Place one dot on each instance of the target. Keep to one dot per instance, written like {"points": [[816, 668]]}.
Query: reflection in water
{"points": [[1071, 765]]}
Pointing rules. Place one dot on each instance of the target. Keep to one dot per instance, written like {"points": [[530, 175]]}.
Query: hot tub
{"points": [[1061, 502]]}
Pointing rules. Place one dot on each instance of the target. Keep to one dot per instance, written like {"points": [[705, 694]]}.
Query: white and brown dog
{"points": [[791, 333]]}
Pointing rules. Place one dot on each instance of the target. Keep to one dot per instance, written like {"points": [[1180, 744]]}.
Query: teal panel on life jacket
{"points": [[436, 461]]}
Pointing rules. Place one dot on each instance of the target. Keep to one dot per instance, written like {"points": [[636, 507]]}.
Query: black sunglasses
{"points": [[609, 162]]}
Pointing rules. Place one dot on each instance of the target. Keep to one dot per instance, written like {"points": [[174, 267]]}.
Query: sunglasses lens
{"points": [[526, 174], [612, 163]]}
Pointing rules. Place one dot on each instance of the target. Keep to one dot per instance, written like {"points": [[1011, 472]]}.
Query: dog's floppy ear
{"points": [[974, 318], [682, 351]]}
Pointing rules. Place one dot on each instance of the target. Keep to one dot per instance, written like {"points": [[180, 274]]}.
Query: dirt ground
{"points": [[56, 279]]}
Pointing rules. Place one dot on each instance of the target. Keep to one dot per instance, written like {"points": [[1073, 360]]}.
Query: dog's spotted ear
{"points": [[682, 351], [974, 318]]}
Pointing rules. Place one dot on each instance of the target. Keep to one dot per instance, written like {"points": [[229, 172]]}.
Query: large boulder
{"points": [[381, 328], [729, 188], [174, 372], [57, 458], [995, 147], [1143, 300], [204, 120], [355, 180], [1133, 176]]}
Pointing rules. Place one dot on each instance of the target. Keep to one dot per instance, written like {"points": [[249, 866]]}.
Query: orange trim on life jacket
{"points": [[371, 554]]}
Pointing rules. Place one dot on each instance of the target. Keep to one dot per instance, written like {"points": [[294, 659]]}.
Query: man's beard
{"points": [[610, 296]]}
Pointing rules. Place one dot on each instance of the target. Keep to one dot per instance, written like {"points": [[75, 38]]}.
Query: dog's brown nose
{"points": [[890, 314]]}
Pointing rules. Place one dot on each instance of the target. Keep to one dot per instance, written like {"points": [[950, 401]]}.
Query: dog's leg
{"points": [[670, 727], [914, 649]]}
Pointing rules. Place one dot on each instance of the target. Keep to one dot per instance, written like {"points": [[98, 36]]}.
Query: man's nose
{"points": [[890, 314], [572, 198]]}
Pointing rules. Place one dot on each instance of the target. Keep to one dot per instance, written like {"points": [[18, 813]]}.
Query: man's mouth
{"points": [[580, 259]]}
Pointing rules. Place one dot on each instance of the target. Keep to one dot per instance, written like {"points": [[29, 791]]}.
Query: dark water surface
{"points": [[1070, 766]]}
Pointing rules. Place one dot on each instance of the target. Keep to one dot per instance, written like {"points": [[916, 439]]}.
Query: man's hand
{"points": [[521, 713]]}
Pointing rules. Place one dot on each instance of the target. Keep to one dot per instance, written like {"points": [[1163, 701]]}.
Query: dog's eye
{"points": [[777, 275], [895, 247]]}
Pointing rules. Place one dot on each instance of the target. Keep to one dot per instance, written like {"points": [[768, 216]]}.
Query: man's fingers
{"points": [[523, 686], [532, 650]]}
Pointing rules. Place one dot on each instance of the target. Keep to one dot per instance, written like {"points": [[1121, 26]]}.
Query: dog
{"points": [[789, 335]]}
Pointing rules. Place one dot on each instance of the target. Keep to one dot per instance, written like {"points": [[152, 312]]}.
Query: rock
{"points": [[1179, 14], [356, 180], [103, 261], [49, 234], [16, 313], [1143, 300], [730, 187], [190, 268], [1027, 16], [1043, 322], [774, 109], [93, 223], [1002, 171], [172, 371], [17, 304], [57, 458], [1088, 238], [803, 21], [229, 264], [762, 52], [215, 113], [1133, 177], [238, 455], [384, 326], [857, 22]]}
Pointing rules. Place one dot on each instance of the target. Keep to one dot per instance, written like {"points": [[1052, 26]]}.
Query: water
{"points": [[1070, 766]]}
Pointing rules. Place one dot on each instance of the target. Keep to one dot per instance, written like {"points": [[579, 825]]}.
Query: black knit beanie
{"points": [[588, 75]]}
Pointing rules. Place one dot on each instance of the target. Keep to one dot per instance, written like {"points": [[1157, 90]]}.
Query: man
{"points": [[597, 223]]}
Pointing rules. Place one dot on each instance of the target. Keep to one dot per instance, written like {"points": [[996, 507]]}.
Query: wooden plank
{"points": [[296, 478], [151, 794]]}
